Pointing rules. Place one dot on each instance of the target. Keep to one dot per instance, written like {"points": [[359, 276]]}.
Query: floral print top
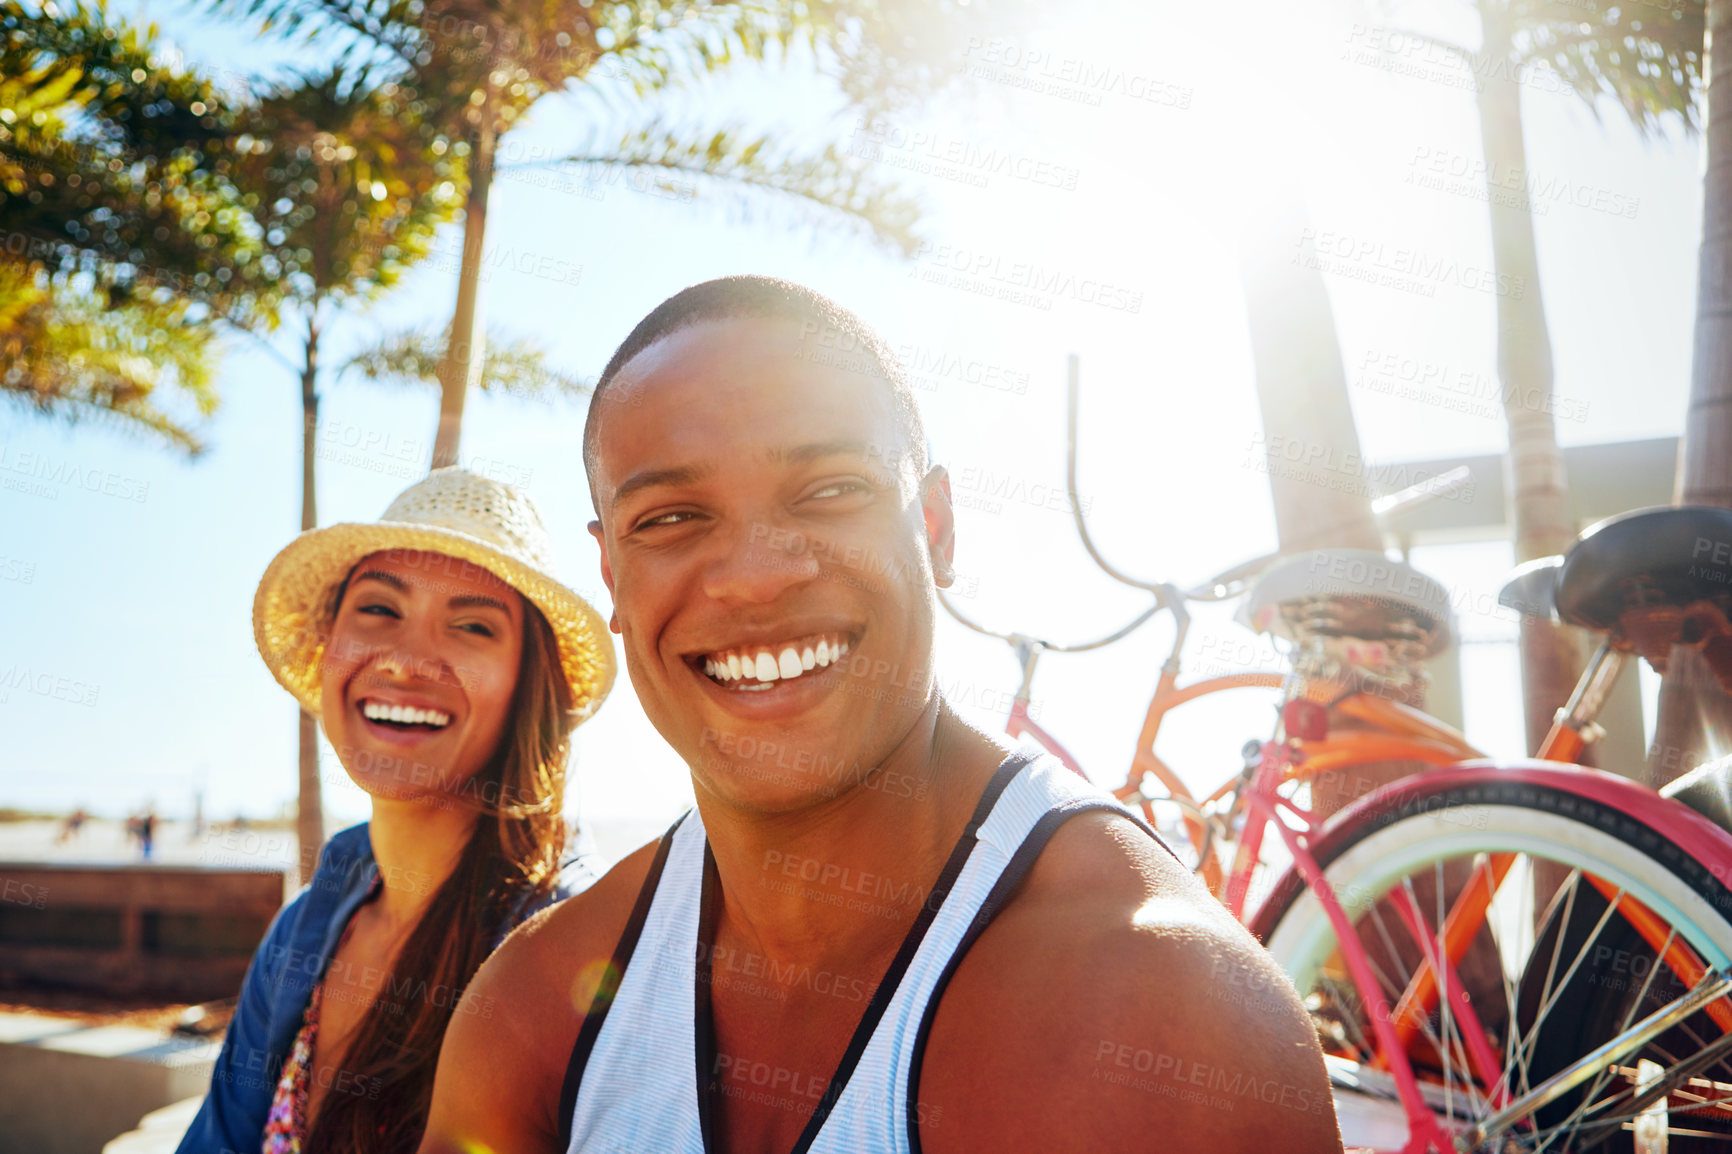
{"points": [[286, 1126]]}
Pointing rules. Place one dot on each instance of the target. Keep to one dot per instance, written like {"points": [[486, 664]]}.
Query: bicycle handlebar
{"points": [[1080, 647], [1230, 582], [1076, 509]]}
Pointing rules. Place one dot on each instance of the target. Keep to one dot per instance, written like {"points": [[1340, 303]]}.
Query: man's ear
{"points": [[606, 571], [940, 525]]}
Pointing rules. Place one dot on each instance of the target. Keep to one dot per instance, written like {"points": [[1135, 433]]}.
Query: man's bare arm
{"points": [[1115, 1004], [504, 1056]]}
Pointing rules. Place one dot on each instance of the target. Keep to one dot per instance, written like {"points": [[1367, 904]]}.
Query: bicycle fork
{"points": [[1425, 1133]]}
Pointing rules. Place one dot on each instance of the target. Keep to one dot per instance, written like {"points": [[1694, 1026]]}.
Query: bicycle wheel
{"points": [[1552, 970]]}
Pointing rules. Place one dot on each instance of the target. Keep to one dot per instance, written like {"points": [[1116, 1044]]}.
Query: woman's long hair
{"points": [[512, 856]]}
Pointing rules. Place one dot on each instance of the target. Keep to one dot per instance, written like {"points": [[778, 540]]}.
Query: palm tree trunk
{"points": [[310, 812], [461, 368], [1317, 475], [1538, 492], [1695, 716]]}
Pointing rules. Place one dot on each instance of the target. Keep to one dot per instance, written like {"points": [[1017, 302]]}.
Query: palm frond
{"points": [[66, 352], [113, 163], [1647, 58], [761, 176], [512, 365]]}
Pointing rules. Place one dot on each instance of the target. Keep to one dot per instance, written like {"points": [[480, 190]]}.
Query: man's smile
{"points": [[754, 667]]}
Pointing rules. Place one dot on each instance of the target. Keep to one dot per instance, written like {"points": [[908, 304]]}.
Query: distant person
{"points": [[448, 667], [146, 833], [879, 931], [71, 826]]}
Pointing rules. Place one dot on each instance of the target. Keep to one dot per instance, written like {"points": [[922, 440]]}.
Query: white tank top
{"points": [[631, 1086]]}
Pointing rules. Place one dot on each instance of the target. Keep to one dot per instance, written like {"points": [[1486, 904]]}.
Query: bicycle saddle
{"points": [[1359, 575], [1663, 557], [1532, 589]]}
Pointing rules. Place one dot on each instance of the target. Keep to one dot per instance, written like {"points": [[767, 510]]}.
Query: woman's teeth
{"points": [[404, 714], [755, 667]]}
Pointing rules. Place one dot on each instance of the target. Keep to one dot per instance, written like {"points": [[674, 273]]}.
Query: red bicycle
{"points": [[1498, 956]]}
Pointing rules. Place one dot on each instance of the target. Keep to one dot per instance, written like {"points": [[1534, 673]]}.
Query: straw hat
{"points": [[453, 512]]}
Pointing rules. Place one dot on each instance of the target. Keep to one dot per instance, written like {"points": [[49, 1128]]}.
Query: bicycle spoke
{"points": [[1496, 991], [1638, 1097], [1629, 1013], [1507, 976], [1524, 1049], [1546, 1007], [1440, 973], [1431, 942]]}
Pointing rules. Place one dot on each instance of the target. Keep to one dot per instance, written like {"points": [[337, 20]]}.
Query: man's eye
{"points": [[839, 489], [673, 518]]}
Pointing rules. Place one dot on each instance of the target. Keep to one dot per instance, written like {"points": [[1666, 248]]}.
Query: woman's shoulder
{"points": [[345, 866]]}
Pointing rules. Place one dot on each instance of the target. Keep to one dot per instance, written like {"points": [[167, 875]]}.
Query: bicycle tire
{"points": [[1418, 824]]}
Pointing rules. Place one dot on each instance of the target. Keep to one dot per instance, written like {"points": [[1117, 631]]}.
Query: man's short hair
{"points": [[851, 340]]}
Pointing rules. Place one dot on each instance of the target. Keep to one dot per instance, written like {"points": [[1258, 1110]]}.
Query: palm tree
{"points": [[122, 234], [348, 187], [1301, 385], [174, 210], [1695, 716], [1647, 60], [480, 67]]}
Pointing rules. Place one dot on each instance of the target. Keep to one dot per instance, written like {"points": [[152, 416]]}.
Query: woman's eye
{"points": [[377, 610], [477, 628]]}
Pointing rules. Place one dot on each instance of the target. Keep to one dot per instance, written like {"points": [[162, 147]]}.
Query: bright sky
{"points": [[1137, 137]]}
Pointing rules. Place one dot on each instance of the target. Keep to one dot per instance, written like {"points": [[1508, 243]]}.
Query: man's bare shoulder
{"points": [[1113, 1000], [504, 1055], [562, 940]]}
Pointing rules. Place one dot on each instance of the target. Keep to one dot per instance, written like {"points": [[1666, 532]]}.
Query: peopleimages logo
{"points": [[1519, 187], [1017, 282], [41, 467], [24, 679], [953, 157], [1392, 266]]}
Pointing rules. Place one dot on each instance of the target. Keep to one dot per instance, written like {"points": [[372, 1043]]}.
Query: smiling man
{"points": [[877, 931]]}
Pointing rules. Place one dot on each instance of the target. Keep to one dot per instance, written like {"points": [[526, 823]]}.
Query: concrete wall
{"points": [[178, 932], [67, 1088]]}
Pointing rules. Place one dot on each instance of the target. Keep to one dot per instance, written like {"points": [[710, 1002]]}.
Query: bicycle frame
{"points": [[1393, 733], [1397, 733], [1695, 835]]}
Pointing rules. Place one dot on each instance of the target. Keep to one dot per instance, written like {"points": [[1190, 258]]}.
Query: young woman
{"points": [[448, 668]]}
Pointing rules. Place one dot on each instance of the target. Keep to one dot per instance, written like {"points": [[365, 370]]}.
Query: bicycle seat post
{"points": [[1574, 725]]}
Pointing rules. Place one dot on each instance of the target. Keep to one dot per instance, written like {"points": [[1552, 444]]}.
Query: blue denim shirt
{"points": [[287, 965]]}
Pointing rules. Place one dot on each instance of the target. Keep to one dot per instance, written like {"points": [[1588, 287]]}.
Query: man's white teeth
{"points": [[404, 714], [756, 667]]}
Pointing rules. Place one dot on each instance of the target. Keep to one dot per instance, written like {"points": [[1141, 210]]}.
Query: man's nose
{"points": [[759, 567]]}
